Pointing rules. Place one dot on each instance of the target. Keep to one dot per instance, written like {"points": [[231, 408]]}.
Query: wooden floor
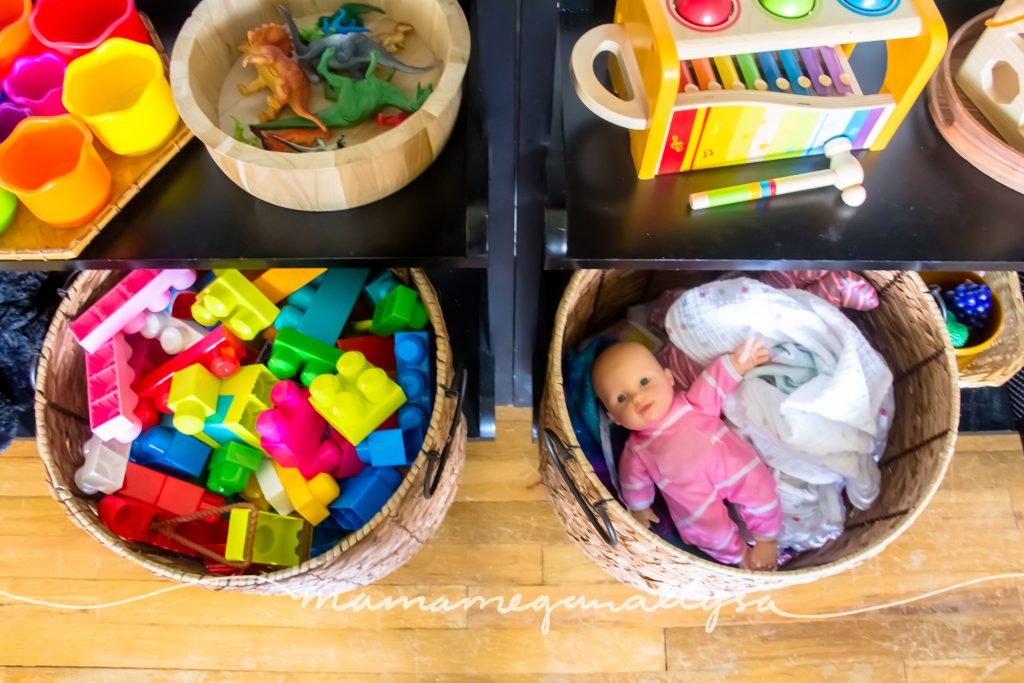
{"points": [[501, 538]]}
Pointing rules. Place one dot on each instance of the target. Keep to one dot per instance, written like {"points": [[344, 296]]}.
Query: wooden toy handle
{"points": [[611, 38]]}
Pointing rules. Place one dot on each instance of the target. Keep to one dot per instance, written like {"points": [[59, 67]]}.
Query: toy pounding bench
{"points": [[707, 83]]}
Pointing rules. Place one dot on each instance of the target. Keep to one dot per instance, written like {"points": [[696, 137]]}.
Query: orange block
{"points": [[277, 283]]}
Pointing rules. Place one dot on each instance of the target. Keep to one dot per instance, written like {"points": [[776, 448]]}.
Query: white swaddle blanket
{"points": [[831, 429]]}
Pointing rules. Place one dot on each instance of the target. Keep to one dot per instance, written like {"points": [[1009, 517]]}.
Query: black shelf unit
{"points": [[927, 208], [191, 215]]}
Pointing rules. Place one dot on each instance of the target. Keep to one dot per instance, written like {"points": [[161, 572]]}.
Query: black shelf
{"points": [[927, 207], [192, 215]]}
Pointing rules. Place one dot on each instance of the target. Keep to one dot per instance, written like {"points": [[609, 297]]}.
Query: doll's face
{"points": [[632, 385]]}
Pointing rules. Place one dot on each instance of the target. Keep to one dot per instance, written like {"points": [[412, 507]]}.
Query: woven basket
{"points": [[393, 536], [994, 366], [906, 329]]}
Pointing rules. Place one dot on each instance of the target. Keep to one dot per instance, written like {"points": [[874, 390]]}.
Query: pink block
{"points": [[124, 307], [292, 432], [338, 450], [111, 399]]}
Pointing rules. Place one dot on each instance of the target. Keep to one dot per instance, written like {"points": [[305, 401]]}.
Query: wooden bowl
{"points": [[382, 161]]}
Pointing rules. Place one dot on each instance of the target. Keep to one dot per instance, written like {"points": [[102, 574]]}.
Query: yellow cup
{"points": [[50, 164], [120, 92]]}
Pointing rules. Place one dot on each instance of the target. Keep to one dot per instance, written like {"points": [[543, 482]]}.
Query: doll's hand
{"points": [[645, 516], [749, 355], [763, 556]]}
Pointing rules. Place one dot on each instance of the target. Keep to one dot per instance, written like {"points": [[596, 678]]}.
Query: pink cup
{"points": [[37, 84], [11, 115], [74, 27]]}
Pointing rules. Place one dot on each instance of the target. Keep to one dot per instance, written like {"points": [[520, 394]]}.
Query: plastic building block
{"points": [[231, 467], [325, 538], [112, 401], [124, 306], [220, 352], [250, 390], [214, 428], [173, 334], [133, 521], [104, 466], [309, 496], [295, 353], [252, 492], [280, 541], [272, 488], [379, 351], [357, 399], [234, 301], [383, 448], [380, 286], [193, 398], [321, 308], [293, 433], [170, 451], [166, 493], [277, 283], [363, 496], [412, 355], [400, 310]]}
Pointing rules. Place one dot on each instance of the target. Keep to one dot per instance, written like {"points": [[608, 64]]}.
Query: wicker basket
{"points": [[906, 329], [994, 366], [393, 536]]}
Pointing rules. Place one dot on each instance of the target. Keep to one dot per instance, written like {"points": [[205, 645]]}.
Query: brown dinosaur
{"points": [[268, 48], [393, 40]]}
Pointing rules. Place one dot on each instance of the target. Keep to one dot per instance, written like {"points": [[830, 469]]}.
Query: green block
{"points": [[8, 209], [400, 311], [231, 466], [280, 541], [294, 352]]}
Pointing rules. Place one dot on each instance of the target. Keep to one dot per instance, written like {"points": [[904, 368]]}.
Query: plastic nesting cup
{"points": [[74, 27], [50, 164], [120, 91], [16, 39], [11, 115], [36, 83]]}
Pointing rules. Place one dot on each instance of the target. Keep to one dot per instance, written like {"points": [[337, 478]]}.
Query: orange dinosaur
{"points": [[268, 48]]}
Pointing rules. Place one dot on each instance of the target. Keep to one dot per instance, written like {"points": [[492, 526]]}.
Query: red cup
{"points": [[16, 39], [72, 27]]}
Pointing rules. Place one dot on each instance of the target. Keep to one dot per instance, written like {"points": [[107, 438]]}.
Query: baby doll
{"points": [[680, 444]]}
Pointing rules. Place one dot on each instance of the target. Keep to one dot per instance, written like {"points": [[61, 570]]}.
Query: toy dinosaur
{"points": [[275, 70], [356, 101], [393, 40], [351, 52], [287, 140], [347, 19]]}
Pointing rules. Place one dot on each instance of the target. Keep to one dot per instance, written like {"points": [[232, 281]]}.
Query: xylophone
{"points": [[706, 83]]}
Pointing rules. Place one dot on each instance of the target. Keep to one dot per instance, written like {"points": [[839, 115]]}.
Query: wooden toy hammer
{"points": [[844, 172]]}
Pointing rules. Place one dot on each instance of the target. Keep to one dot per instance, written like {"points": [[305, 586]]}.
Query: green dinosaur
{"points": [[355, 101]]}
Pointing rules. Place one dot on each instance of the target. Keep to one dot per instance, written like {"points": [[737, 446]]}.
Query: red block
{"points": [[379, 351], [169, 495], [220, 352], [132, 521]]}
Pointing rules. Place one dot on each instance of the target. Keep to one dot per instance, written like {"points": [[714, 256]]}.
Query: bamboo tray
{"points": [[30, 239], [963, 126]]}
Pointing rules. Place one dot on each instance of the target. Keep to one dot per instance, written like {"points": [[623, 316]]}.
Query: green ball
{"points": [[788, 9], [8, 209]]}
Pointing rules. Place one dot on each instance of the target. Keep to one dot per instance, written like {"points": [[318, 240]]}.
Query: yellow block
{"points": [[309, 496]]}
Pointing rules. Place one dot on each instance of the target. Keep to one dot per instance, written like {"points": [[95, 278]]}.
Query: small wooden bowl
{"points": [[206, 50]]}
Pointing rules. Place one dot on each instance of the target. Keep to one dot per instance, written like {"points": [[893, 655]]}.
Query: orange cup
{"points": [[50, 164], [16, 39]]}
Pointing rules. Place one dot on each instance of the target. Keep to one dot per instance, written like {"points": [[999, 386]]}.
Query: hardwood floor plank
{"points": [[508, 522], [1009, 669], [453, 563], [22, 476]]}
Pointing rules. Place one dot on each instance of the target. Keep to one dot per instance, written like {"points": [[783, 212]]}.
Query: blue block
{"points": [[412, 365], [325, 538], [363, 495], [379, 287], [383, 448], [170, 452], [321, 308]]}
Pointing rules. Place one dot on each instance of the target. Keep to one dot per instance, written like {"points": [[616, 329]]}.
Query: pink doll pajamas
{"points": [[698, 463]]}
